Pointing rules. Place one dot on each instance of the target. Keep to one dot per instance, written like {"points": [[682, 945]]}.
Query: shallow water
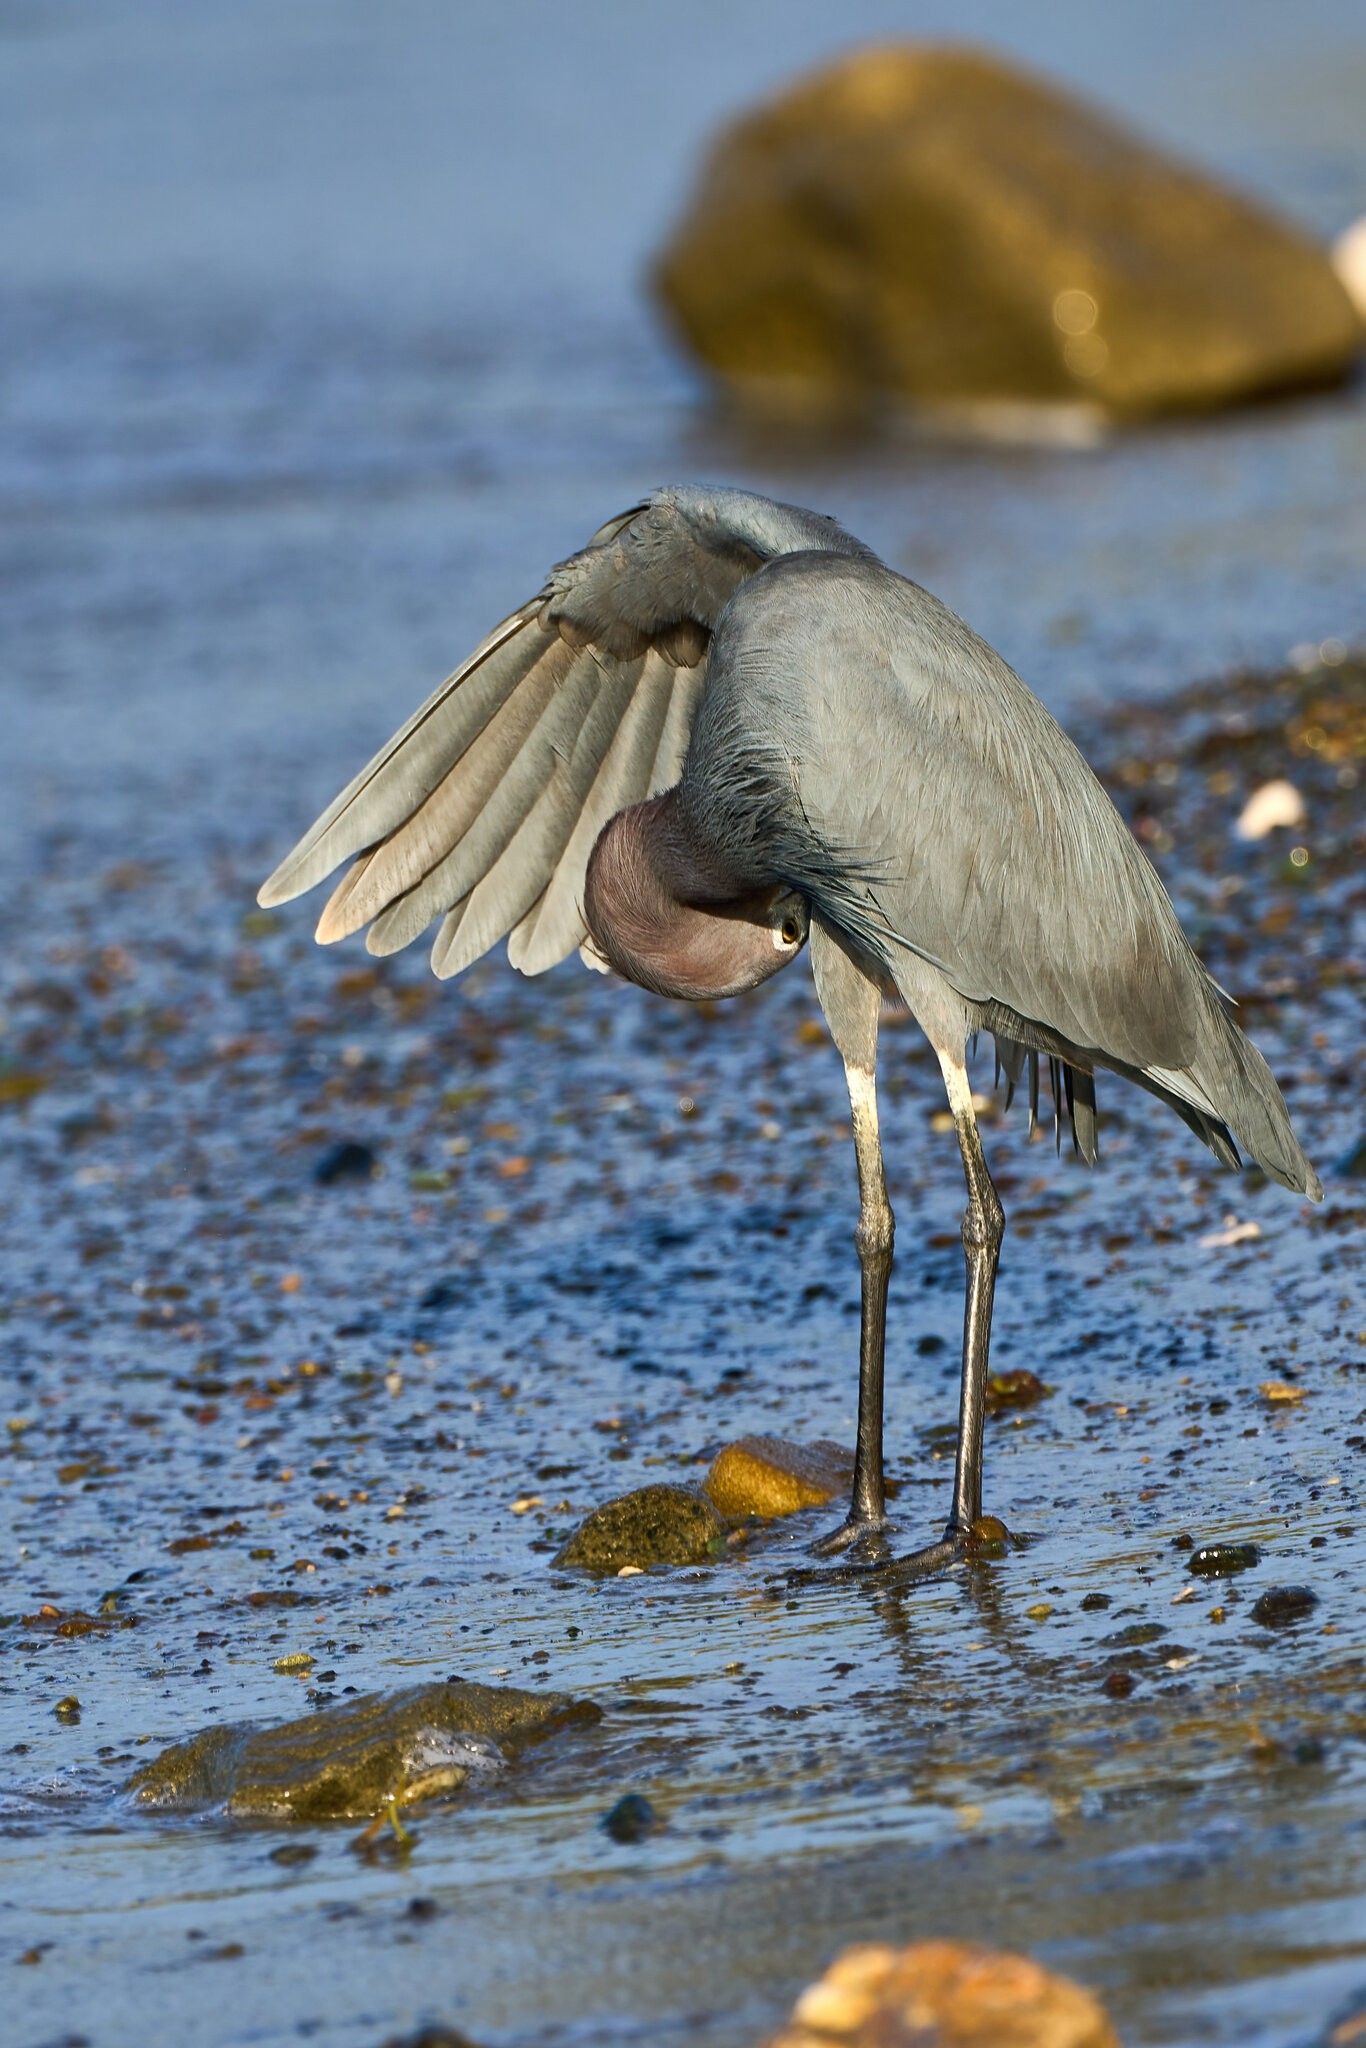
{"points": [[249, 511]]}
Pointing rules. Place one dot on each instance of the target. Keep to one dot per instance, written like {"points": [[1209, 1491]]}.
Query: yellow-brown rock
{"points": [[934, 226], [762, 1475], [943, 1994]]}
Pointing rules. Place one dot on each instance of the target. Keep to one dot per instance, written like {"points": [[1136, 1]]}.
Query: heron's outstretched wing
{"points": [[484, 808]]}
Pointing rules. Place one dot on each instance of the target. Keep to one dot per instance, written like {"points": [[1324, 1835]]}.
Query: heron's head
{"points": [[642, 923]]}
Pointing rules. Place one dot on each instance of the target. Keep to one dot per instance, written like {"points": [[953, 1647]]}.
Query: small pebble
{"points": [[349, 1161], [1018, 1389], [631, 1820]]}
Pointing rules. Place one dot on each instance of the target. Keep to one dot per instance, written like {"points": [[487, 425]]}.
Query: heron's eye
{"points": [[790, 933]]}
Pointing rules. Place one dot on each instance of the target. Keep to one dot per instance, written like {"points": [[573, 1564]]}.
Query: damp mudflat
{"points": [[289, 1424], [332, 1298]]}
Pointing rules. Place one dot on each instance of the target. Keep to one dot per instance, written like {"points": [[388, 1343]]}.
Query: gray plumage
{"points": [[828, 735], [860, 739], [854, 740]]}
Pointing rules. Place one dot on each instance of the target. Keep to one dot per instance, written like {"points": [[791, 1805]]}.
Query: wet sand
{"points": [[256, 1415]]}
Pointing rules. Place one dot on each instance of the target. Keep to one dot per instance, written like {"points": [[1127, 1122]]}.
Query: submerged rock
{"points": [[1222, 1560], [631, 1820], [763, 1475], [1284, 1606], [933, 225], [944, 1994], [348, 1762], [653, 1525]]}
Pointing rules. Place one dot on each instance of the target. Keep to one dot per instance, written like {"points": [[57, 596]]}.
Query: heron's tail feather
{"points": [[1229, 1083], [1226, 1093]]}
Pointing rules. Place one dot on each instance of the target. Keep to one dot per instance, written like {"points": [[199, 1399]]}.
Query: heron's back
{"points": [[857, 740]]}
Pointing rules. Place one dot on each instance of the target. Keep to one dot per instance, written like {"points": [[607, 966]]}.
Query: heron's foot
{"points": [[988, 1537], [866, 1533], [953, 1546], [861, 1551]]}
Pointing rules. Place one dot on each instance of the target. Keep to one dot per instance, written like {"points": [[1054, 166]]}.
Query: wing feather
{"points": [[489, 815], [410, 765], [484, 808], [420, 844], [516, 879], [623, 778]]}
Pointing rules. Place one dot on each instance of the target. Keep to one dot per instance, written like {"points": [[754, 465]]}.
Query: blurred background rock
{"points": [[932, 225]]}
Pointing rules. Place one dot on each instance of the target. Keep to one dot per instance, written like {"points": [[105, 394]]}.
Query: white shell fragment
{"points": [[1233, 1232], [1273, 805]]}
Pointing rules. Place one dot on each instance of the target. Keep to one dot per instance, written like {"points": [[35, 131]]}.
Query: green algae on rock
{"points": [[934, 226], [653, 1525], [347, 1762]]}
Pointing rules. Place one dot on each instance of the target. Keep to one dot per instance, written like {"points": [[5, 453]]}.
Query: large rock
{"points": [[347, 1762], [943, 1994], [936, 226]]}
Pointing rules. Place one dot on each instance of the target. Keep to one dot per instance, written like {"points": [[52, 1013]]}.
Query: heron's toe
{"points": [[866, 1533]]}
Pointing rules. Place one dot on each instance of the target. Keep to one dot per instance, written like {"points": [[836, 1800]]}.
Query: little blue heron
{"points": [[723, 727]]}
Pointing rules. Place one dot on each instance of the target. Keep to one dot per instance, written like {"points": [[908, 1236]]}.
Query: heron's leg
{"points": [[851, 1003], [983, 1228], [873, 1237]]}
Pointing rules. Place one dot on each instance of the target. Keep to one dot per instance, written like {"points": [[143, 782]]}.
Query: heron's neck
{"points": [[663, 913]]}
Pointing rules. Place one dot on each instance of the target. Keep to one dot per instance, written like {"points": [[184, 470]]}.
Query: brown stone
{"points": [[943, 1994], [934, 226], [763, 1475]]}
